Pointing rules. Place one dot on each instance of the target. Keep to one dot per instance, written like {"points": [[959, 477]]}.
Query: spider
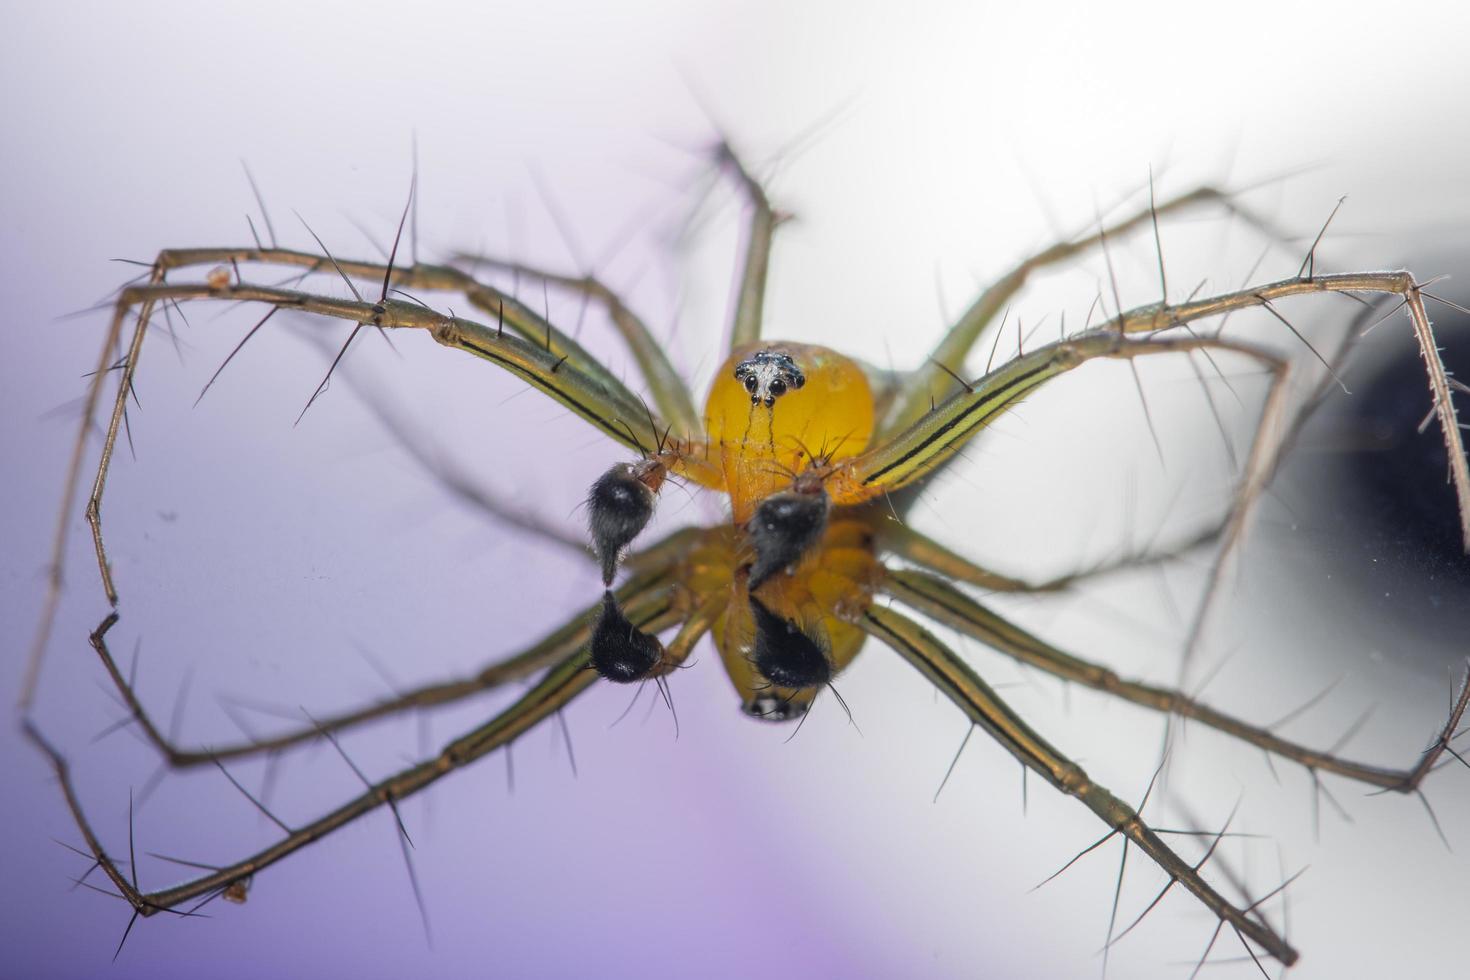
{"points": [[819, 457]]}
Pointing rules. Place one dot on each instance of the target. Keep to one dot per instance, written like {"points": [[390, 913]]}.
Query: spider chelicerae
{"points": [[819, 456]]}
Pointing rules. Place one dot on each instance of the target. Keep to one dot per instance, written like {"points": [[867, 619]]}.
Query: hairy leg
{"points": [[985, 708], [936, 598]]}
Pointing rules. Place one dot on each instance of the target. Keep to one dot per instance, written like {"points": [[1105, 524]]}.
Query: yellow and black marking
{"points": [[830, 411]]}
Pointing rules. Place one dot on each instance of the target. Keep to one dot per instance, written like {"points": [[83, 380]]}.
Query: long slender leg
{"points": [[922, 447], [671, 395], [431, 458], [507, 311], [985, 708], [614, 411], [932, 382], [68, 496], [914, 546], [561, 684], [941, 601], [647, 591], [1160, 316], [934, 438], [751, 298], [544, 357]]}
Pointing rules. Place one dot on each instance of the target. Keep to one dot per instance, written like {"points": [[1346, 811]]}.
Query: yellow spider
{"points": [[818, 455]]}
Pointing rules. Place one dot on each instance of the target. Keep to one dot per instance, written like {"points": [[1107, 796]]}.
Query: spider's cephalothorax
{"points": [[778, 420], [760, 449], [767, 375]]}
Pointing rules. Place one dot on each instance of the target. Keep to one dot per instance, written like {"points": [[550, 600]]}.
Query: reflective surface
{"points": [[274, 565]]}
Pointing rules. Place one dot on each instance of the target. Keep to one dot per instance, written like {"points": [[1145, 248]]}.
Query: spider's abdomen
{"points": [[774, 406]]}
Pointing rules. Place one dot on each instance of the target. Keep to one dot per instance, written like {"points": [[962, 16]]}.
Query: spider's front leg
{"points": [[933, 439], [671, 396], [759, 235], [535, 351], [930, 442], [933, 379], [1160, 316], [541, 355]]}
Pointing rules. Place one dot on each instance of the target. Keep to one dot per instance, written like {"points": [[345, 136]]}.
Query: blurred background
{"points": [[922, 153]]}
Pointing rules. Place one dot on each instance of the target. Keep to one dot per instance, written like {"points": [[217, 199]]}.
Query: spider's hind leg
{"points": [[923, 551], [945, 603], [567, 678], [980, 703], [647, 589]]}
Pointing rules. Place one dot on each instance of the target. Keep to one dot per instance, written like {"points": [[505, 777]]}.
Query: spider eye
{"points": [[750, 383], [785, 655], [618, 507], [784, 528], [778, 387], [622, 652]]}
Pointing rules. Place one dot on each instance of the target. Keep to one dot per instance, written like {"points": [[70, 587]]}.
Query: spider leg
{"points": [[1159, 316], [436, 463], [671, 395], [985, 708], [936, 598], [914, 546], [507, 311], [567, 679], [933, 439], [73, 473], [540, 355], [932, 382], [928, 443], [751, 297], [646, 592]]}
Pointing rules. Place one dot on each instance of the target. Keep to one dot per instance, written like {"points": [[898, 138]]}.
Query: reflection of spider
{"points": [[813, 451]]}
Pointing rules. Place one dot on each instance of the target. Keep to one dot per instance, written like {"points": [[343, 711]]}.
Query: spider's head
{"points": [[777, 410], [769, 374]]}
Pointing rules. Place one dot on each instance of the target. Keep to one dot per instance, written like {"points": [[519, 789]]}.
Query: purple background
{"points": [[259, 561]]}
